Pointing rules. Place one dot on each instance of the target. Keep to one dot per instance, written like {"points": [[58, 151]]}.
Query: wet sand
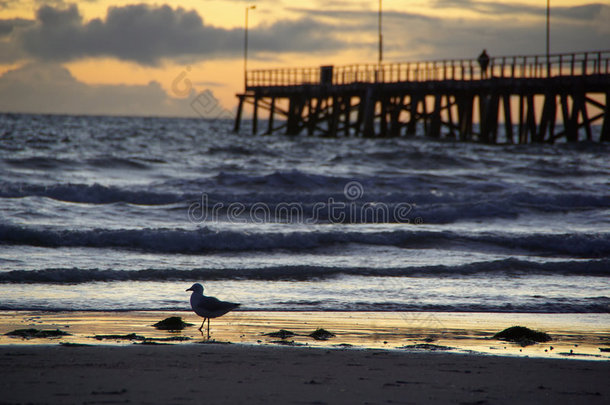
{"points": [[372, 359], [234, 374], [574, 335]]}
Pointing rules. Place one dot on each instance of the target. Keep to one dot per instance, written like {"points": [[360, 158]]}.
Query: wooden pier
{"points": [[534, 99]]}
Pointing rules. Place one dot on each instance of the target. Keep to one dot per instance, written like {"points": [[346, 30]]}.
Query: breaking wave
{"points": [[597, 268]]}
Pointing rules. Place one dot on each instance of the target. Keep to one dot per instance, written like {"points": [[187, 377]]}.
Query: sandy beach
{"points": [[374, 358], [239, 374]]}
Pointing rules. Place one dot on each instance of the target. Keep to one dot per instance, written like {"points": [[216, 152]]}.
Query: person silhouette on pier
{"points": [[483, 63]]}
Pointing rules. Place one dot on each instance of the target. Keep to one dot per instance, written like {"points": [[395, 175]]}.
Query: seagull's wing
{"points": [[212, 304]]}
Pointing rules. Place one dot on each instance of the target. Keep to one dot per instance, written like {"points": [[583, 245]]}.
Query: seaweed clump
{"points": [[130, 336], [142, 339], [426, 346], [321, 334], [287, 343], [522, 335], [282, 334], [37, 333], [172, 323]]}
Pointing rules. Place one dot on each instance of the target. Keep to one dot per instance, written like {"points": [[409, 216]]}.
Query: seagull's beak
{"points": [[189, 289]]}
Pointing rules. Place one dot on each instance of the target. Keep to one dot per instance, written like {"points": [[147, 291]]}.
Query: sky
{"points": [[185, 58]]}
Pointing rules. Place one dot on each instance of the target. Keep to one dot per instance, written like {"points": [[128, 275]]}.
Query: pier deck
{"points": [[535, 99]]}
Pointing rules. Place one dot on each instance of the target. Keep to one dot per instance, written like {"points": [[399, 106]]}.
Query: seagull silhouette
{"points": [[208, 307]]}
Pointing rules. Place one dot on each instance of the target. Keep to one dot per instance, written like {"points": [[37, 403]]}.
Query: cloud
{"points": [[585, 12], [490, 7], [10, 51], [5, 4], [149, 34], [501, 27], [601, 22], [51, 2], [9, 25], [51, 89], [305, 35], [464, 38], [495, 8]]}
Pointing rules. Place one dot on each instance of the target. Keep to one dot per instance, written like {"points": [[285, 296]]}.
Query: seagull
{"points": [[208, 307]]}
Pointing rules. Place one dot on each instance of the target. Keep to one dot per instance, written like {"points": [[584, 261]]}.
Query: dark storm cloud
{"points": [[147, 34]]}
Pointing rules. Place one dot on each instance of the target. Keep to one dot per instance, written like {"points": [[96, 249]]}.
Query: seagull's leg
{"points": [[201, 327], [208, 328]]}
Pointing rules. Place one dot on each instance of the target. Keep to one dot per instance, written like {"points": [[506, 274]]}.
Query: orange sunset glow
{"points": [[202, 42]]}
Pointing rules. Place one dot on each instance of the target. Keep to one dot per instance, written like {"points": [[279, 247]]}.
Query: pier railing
{"points": [[517, 67]]}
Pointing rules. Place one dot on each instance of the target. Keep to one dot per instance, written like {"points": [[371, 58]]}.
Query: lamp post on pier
{"points": [[378, 74], [548, 38], [248, 8], [380, 37]]}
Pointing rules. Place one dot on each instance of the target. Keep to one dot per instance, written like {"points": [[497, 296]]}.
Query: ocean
{"points": [[119, 214]]}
